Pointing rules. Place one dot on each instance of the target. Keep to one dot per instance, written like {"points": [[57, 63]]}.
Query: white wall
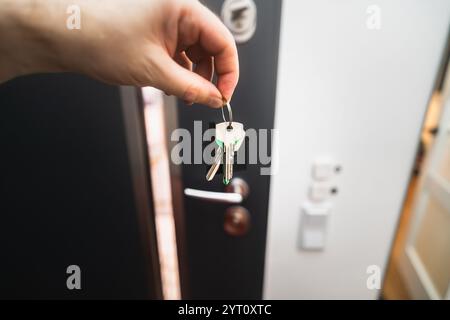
{"points": [[359, 96]]}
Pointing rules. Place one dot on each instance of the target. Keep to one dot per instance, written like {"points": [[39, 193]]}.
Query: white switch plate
{"points": [[323, 169], [319, 191], [313, 228]]}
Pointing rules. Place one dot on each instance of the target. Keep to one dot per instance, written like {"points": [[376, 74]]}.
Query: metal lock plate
{"points": [[240, 18]]}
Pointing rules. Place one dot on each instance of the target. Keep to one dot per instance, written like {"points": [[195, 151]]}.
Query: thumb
{"points": [[185, 84]]}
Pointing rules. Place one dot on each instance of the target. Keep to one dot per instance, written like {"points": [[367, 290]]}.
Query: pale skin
{"points": [[133, 42]]}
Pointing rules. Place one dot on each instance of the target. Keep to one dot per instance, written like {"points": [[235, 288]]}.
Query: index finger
{"points": [[215, 38]]}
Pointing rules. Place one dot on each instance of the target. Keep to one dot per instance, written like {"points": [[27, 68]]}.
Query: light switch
{"points": [[319, 191], [323, 169], [313, 228]]}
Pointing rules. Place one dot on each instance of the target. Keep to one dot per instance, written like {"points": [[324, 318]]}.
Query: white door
{"points": [[425, 260], [355, 97]]}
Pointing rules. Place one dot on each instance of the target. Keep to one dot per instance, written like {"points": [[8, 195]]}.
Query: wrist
{"points": [[28, 41]]}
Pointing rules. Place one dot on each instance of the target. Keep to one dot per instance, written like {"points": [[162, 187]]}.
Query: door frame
{"points": [[413, 270], [133, 113]]}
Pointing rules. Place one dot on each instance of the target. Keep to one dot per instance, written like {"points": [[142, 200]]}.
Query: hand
{"points": [[134, 42]]}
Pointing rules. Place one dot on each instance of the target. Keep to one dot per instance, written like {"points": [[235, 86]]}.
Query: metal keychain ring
{"points": [[230, 113]]}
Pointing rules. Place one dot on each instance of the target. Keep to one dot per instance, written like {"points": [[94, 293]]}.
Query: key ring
{"points": [[230, 114]]}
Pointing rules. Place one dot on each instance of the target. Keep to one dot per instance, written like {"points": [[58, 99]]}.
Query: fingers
{"points": [[204, 66], [204, 63], [209, 45], [217, 42], [182, 59], [174, 79]]}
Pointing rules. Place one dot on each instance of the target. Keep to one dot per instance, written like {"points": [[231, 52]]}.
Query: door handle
{"points": [[212, 196], [234, 193]]}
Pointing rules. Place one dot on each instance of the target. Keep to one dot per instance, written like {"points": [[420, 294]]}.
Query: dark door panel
{"points": [[68, 192], [221, 265]]}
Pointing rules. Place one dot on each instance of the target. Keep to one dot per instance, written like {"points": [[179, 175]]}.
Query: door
{"points": [[354, 96], [425, 261], [74, 191], [225, 242]]}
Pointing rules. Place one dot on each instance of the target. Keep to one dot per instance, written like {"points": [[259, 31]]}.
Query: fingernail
{"points": [[188, 103], [215, 102]]}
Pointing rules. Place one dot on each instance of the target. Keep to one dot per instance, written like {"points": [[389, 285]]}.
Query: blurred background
{"points": [[344, 191]]}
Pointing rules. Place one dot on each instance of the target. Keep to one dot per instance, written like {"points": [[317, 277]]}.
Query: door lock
{"points": [[237, 221], [240, 18]]}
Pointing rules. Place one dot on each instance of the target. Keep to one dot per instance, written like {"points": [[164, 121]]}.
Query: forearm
{"points": [[34, 36], [29, 33], [21, 38]]}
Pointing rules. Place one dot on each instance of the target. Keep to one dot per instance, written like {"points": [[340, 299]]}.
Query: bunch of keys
{"points": [[229, 138]]}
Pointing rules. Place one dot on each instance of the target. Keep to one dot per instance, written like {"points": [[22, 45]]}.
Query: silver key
{"points": [[229, 138], [229, 161], [216, 164]]}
